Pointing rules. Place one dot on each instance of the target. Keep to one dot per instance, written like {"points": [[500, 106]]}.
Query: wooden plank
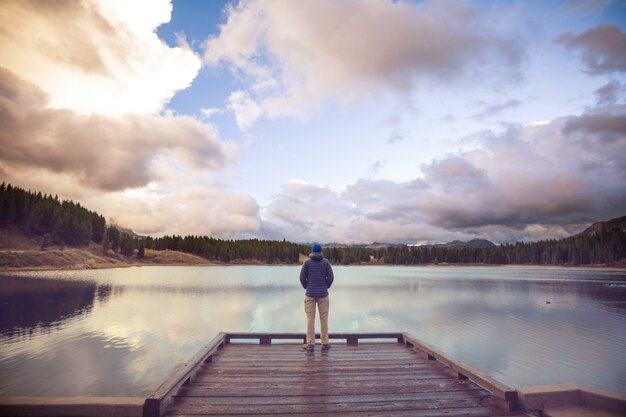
{"points": [[298, 352], [340, 345], [330, 399], [321, 379], [259, 379], [242, 391], [312, 407], [319, 354], [326, 385], [349, 337], [352, 369], [303, 363], [458, 412], [437, 385], [72, 406], [497, 388], [156, 403]]}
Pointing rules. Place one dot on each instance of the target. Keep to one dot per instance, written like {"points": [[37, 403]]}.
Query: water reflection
{"points": [[122, 331], [26, 303]]}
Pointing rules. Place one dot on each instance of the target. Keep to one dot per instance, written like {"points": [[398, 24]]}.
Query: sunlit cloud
{"points": [[308, 51], [95, 57], [107, 153]]}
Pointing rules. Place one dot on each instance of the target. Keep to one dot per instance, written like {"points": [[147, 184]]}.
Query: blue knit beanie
{"points": [[316, 248]]}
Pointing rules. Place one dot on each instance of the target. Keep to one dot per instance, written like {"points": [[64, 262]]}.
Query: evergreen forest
{"points": [[68, 223]]}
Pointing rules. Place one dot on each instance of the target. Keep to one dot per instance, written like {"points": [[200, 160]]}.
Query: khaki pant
{"points": [[323, 304]]}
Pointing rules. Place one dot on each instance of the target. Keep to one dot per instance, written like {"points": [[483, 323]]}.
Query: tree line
{"points": [[267, 251], [607, 246], [66, 222]]}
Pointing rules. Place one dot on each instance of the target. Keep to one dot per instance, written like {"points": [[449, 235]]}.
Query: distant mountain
{"points": [[379, 245], [595, 228], [129, 232], [474, 243], [375, 245]]}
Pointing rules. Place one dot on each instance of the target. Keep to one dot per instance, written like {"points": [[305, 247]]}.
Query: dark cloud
{"points": [[608, 125], [532, 182], [608, 93], [107, 153], [602, 49]]}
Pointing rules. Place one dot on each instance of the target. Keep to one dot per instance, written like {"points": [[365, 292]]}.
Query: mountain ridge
{"points": [[618, 222]]}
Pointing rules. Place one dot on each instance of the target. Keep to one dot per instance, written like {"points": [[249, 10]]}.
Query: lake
{"points": [[121, 332]]}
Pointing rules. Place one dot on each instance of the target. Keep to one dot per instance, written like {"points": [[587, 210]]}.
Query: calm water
{"points": [[122, 331]]}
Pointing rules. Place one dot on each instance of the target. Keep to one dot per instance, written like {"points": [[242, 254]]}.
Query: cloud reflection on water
{"points": [[140, 322]]}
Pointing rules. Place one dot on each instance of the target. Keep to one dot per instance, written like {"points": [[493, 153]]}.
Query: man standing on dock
{"points": [[316, 277]]}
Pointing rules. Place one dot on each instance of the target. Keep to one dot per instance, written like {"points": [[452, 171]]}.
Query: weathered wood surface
{"points": [[464, 371], [72, 406], [371, 379]]}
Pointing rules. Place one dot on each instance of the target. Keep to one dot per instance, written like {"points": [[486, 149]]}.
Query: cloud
{"points": [[298, 54], [194, 210], [102, 152], [526, 182], [608, 93], [495, 109], [601, 48], [95, 57], [375, 168], [608, 125], [83, 90], [207, 112], [246, 110], [586, 7]]}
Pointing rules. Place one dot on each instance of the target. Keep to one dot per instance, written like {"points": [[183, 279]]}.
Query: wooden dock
{"points": [[372, 374], [354, 378]]}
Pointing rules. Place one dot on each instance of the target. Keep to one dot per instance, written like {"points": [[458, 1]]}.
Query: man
{"points": [[316, 277]]}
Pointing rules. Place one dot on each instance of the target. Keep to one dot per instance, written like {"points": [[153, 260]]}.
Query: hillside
{"points": [[474, 243], [619, 223], [21, 250]]}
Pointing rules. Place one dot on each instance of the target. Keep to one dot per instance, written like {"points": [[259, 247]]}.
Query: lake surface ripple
{"points": [[121, 332]]}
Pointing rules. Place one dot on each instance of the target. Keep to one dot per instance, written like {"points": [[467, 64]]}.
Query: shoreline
{"points": [[207, 263]]}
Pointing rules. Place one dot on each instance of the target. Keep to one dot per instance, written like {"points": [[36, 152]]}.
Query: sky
{"points": [[347, 121]]}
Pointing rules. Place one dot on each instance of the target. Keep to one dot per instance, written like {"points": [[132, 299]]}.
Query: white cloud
{"points": [[194, 210], [207, 112], [95, 57], [305, 52], [246, 110]]}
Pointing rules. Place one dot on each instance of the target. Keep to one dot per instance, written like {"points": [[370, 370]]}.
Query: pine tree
{"points": [[45, 241], [106, 244], [141, 252]]}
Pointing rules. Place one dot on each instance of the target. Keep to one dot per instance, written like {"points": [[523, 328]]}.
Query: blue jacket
{"points": [[316, 276]]}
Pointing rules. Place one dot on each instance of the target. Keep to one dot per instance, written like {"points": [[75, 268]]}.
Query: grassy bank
{"points": [[73, 258], [19, 250]]}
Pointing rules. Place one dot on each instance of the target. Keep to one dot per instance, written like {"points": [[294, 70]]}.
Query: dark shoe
{"points": [[308, 348], [325, 347]]}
